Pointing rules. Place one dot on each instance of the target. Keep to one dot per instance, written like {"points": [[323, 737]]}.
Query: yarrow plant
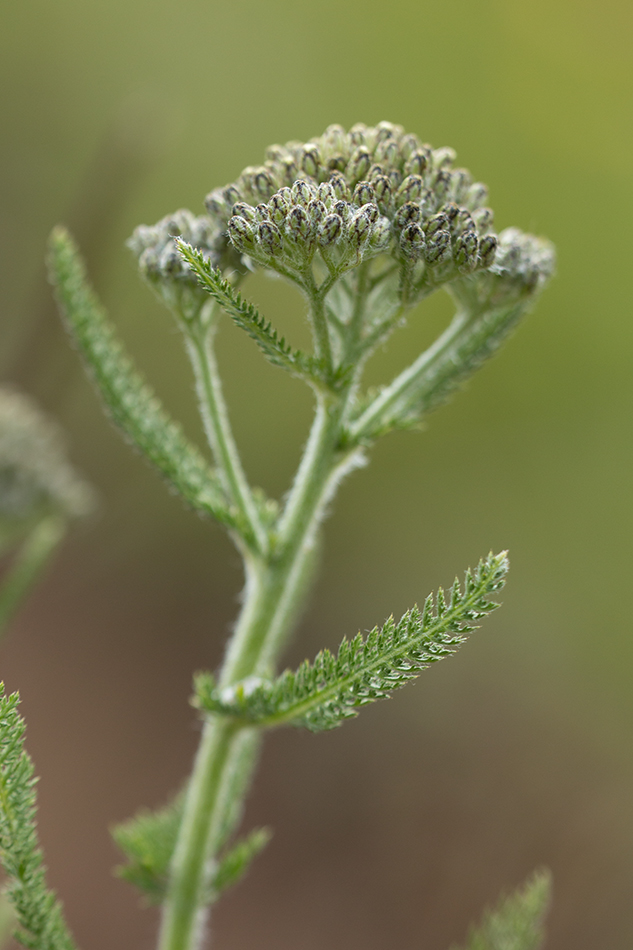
{"points": [[366, 224]]}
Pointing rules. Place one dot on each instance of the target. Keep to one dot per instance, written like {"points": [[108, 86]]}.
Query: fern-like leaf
{"points": [[246, 316], [517, 921], [39, 913], [131, 403], [322, 694], [436, 375], [148, 841], [237, 860]]}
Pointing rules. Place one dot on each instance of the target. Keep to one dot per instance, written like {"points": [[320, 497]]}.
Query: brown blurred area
{"points": [[397, 829]]}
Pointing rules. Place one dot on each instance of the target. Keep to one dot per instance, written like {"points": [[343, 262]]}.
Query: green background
{"points": [[397, 829]]}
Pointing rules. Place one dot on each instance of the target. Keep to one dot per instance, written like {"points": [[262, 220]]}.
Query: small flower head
{"points": [[35, 476]]}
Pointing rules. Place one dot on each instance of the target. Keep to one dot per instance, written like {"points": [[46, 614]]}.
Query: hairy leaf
{"points": [[148, 841], [237, 860], [433, 378], [39, 913], [320, 695], [131, 403], [246, 316], [517, 921]]}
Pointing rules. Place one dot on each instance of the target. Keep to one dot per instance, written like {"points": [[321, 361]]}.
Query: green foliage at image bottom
{"points": [[148, 840], [517, 921], [322, 694], [39, 913]]}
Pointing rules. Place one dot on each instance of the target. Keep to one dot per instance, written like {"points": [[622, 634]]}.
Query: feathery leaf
{"points": [[39, 913], [237, 860], [437, 373], [148, 841], [320, 695], [517, 921], [246, 316], [131, 403]]}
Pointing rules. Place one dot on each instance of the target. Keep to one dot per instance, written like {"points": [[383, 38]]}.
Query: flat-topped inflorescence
{"points": [[342, 199]]}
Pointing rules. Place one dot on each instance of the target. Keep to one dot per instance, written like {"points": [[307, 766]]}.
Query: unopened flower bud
{"points": [[310, 159], [442, 157], [484, 219], [381, 234], [461, 179], [336, 163], [339, 187], [395, 178], [342, 209], [438, 222], [386, 131], [359, 164], [357, 134], [215, 203], [262, 183], [262, 212], [330, 230], [438, 249], [476, 196], [412, 242], [269, 237], [335, 137], [410, 189], [387, 152], [363, 192], [442, 184], [298, 223], [289, 169], [462, 222], [278, 207], [316, 211], [325, 192], [275, 153], [374, 172], [409, 213], [359, 229], [241, 234], [487, 249], [370, 210], [302, 193], [409, 144], [382, 189], [465, 251], [417, 163], [450, 211], [242, 210]]}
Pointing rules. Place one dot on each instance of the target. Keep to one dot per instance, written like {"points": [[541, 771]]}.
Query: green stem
{"points": [[218, 431], [322, 344], [273, 590], [407, 381], [28, 565]]}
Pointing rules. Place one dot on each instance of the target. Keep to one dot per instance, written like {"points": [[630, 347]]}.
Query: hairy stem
{"points": [[218, 431], [274, 588]]}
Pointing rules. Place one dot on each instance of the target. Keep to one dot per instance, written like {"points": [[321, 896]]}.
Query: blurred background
{"points": [[399, 828]]}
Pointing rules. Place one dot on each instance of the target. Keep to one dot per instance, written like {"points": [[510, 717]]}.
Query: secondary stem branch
{"points": [[218, 432]]}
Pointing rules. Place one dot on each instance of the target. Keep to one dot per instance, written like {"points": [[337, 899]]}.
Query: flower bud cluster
{"points": [[298, 221], [158, 256], [413, 202], [35, 476], [525, 261]]}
